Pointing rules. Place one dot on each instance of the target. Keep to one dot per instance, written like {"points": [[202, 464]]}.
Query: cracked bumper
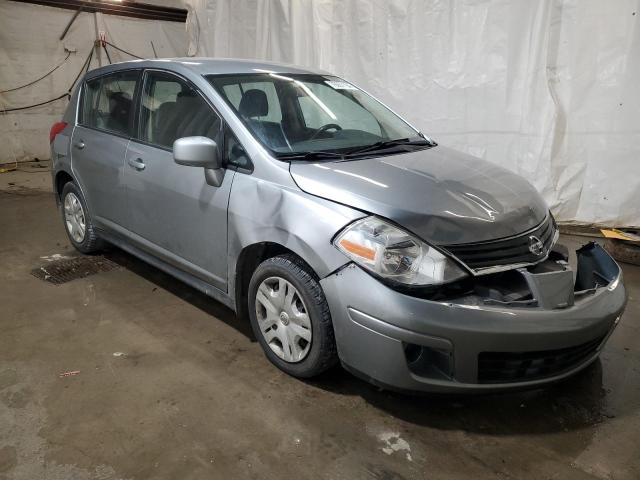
{"points": [[407, 343]]}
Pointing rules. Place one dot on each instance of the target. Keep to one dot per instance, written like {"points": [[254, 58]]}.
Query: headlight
{"points": [[396, 255]]}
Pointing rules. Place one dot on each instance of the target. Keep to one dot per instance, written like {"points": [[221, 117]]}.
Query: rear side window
{"points": [[172, 109], [107, 102]]}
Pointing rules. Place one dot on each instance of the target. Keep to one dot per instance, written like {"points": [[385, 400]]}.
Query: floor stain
{"points": [[194, 397], [18, 399], [8, 378], [8, 458]]}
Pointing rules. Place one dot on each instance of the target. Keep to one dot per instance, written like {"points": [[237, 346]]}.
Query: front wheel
{"points": [[290, 317]]}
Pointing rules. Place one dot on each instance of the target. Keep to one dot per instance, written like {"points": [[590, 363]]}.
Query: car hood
{"points": [[443, 196]]}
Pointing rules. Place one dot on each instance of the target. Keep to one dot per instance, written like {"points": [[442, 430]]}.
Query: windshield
{"points": [[298, 116]]}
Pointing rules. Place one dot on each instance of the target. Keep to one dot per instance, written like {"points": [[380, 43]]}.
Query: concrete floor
{"points": [[193, 396]]}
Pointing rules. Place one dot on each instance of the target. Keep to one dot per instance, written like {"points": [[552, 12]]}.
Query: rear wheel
{"points": [[77, 221], [290, 317]]}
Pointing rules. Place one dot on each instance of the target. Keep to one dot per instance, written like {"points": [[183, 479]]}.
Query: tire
{"points": [[89, 242], [315, 356]]}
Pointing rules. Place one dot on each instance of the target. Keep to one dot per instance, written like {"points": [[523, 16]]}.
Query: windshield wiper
{"points": [[383, 145], [311, 156], [400, 142]]}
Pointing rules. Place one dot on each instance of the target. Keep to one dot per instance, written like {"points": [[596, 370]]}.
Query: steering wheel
{"points": [[324, 128]]}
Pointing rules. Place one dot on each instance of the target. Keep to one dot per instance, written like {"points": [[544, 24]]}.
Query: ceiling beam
{"points": [[125, 8]]}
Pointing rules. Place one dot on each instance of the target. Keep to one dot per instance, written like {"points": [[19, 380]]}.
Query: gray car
{"points": [[340, 231]]}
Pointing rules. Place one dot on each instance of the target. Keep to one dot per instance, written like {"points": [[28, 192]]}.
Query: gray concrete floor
{"points": [[193, 396]]}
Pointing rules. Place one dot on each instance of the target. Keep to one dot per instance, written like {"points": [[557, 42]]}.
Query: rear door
{"points": [[99, 144], [174, 213]]}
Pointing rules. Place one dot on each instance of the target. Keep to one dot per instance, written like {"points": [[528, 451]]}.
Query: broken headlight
{"points": [[393, 254]]}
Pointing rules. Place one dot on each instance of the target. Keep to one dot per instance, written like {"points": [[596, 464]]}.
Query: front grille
{"points": [[501, 367], [508, 251]]}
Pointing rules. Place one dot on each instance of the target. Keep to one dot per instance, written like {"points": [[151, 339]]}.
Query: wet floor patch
{"points": [[65, 270]]}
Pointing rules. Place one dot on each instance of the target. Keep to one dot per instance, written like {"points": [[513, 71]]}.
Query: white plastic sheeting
{"points": [[549, 88], [30, 46]]}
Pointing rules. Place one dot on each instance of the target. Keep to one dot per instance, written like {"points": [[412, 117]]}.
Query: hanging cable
{"points": [[83, 69], [7, 110], [104, 47], [89, 60], [40, 78], [86, 64], [122, 50]]}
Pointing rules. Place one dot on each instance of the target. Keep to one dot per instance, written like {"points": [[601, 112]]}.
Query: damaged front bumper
{"points": [[517, 329]]}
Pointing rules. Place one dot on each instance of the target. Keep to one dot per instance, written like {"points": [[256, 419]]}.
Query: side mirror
{"points": [[200, 152]]}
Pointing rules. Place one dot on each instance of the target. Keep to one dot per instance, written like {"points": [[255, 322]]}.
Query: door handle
{"points": [[79, 145], [136, 164]]}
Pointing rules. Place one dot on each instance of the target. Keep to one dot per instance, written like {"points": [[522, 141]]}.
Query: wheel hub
{"points": [[74, 217], [283, 319]]}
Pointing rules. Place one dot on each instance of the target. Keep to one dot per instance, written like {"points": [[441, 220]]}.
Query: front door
{"points": [[173, 212], [99, 144]]}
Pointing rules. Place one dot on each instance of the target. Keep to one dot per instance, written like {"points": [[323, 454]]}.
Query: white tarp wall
{"points": [[547, 88], [30, 46]]}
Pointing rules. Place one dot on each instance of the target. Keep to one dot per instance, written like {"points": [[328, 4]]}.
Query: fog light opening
{"points": [[429, 362], [412, 352]]}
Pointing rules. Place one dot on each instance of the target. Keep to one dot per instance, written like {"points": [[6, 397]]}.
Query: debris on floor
{"points": [[394, 443], [623, 245], [69, 374], [54, 257], [65, 269], [628, 236]]}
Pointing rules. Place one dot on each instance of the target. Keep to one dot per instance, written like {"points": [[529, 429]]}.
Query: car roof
{"points": [[207, 66]]}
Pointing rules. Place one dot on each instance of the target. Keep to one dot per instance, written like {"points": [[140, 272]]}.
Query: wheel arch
{"points": [[265, 219], [248, 260], [61, 179]]}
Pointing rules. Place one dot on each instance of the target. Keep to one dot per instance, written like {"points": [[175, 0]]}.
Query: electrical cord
{"points": [[104, 47], [84, 68], [122, 50], [40, 78], [7, 110]]}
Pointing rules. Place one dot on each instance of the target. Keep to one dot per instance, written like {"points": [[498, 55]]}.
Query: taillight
{"points": [[55, 130]]}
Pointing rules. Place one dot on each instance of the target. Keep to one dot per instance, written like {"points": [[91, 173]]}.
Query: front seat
{"points": [[162, 116], [254, 104], [168, 126]]}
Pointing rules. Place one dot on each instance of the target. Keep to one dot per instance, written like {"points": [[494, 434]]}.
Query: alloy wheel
{"points": [[74, 217]]}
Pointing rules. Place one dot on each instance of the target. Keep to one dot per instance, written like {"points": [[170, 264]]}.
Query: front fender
{"points": [[262, 211]]}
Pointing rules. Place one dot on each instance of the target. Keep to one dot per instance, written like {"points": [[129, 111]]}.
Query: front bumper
{"points": [[413, 344]]}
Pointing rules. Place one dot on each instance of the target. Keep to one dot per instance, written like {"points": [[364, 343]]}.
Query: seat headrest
{"points": [[254, 104], [119, 103], [186, 94]]}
